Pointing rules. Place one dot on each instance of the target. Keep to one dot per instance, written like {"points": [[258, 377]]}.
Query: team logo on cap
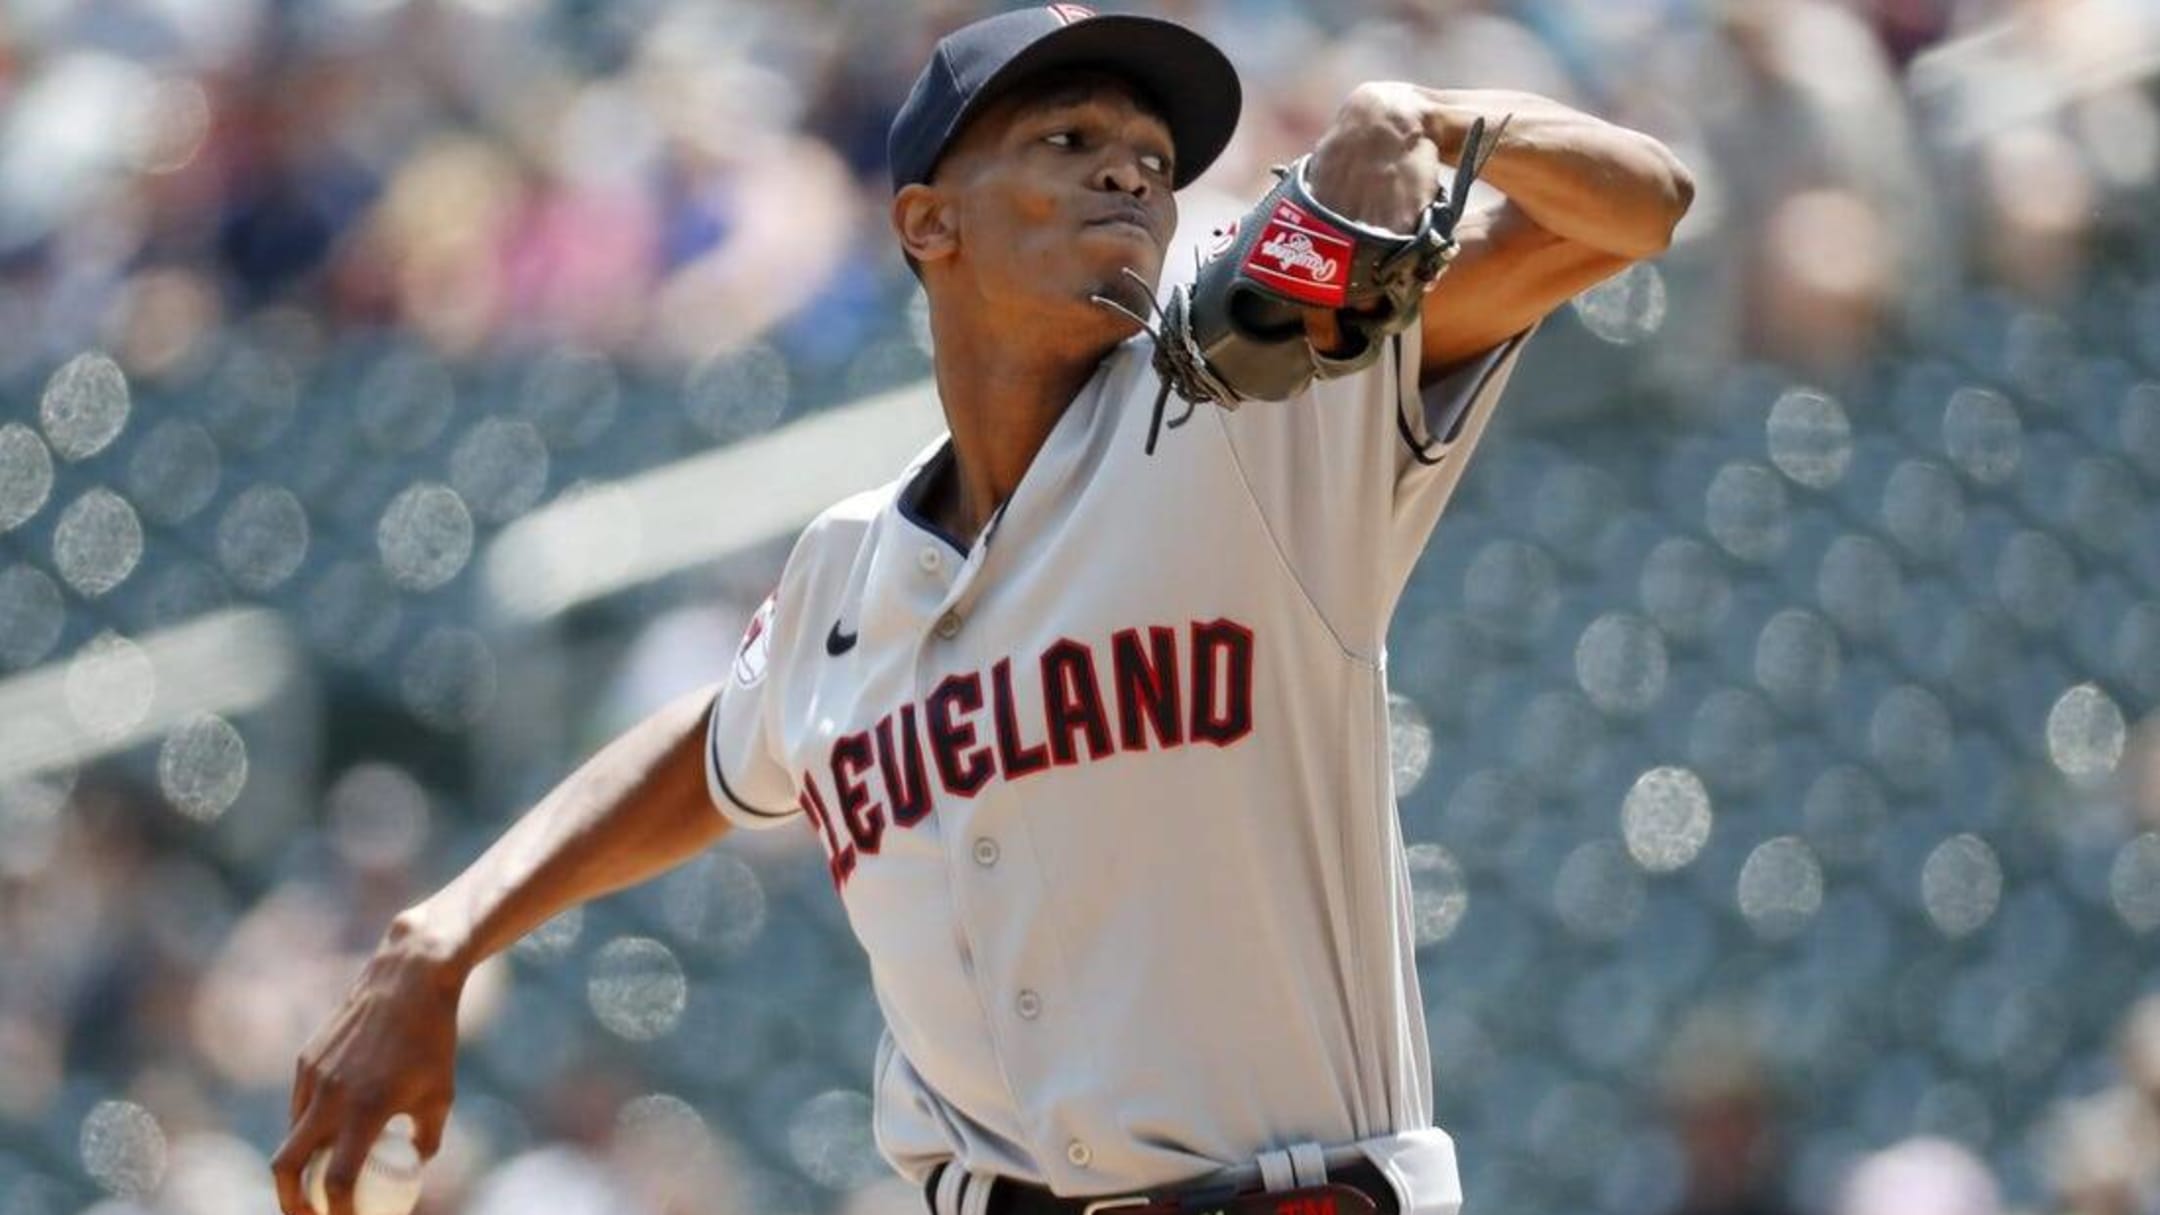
{"points": [[1303, 257], [1069, 13]]}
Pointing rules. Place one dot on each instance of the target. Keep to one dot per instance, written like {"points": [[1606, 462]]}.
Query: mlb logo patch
{"points": [[755, 653], [1302, 257], [1069, 13]]}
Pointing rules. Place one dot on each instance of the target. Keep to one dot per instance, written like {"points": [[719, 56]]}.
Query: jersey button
{"points": [[986, 852], [948, 625], [1079, 1153], [929, 559], [1028, 1005]]}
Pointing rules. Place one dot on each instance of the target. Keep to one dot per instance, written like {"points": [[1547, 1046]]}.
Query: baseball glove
{"points": [[1238, 332]]}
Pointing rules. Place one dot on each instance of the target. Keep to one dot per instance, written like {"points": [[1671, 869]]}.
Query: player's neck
{"points": [[1001, 402]]}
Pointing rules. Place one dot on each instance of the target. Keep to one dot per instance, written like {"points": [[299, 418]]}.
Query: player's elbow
{"points": [[1679, 191], [1675, 194]]}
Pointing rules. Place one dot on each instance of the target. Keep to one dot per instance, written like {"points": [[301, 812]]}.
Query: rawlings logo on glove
{"points": [[1308, 259]]}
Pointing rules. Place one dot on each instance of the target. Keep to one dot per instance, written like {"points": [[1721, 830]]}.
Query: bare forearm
{"points": [[1578, 176], [635, 809]]}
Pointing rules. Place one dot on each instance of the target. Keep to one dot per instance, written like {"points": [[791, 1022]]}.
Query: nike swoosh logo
{"points": [[837, 642]]}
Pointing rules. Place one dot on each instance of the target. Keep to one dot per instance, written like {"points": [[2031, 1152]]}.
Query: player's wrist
{"points": [[419, 939]]}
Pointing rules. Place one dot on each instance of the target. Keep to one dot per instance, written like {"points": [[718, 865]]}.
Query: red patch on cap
{"points": [[1303, 257], [1069, 13]]}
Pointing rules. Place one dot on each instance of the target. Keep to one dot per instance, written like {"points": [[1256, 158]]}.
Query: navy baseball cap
{"points": [[1187, 78]]}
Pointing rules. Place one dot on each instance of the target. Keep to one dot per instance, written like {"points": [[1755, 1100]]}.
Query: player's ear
{"points": [[924, 220]]}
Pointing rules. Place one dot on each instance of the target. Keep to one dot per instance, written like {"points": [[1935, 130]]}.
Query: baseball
{"points": [[389, 1181]]}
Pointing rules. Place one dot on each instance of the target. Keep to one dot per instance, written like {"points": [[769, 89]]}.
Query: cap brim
{"points": [[1179, 70]]}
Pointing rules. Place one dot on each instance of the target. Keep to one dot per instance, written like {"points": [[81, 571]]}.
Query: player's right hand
{"points": [[390, 1048]]}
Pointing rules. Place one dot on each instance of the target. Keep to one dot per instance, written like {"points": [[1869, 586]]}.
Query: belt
{"points": [[1356, 1188]]}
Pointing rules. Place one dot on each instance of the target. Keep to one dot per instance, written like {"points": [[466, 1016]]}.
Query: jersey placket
{"points": [[990, 869]]}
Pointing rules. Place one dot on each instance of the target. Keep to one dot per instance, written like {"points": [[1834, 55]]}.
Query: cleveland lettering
{"points": [[1149, 689]]}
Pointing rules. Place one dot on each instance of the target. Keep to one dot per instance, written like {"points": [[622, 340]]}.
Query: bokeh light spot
{"points": [[1983, 436], [32, 615], [1410, 743], [553, 940], [1924, 509], [2134, 884], [1960, 885], [262, 538], [378, 816], [716, 901], [1511, 590], [1438, 894], [1780, 888], [97, 543], [26, 475], [1809, 438], [122, 1148], [174, 471], [85, 406], [1620, 663], [500, 468], [1746, 511], [829, 1138], [1665, 819], [1626, 308], [2086, 734], [425, 537], [637, 989], [1684, 588], [1797, 659], [202, 767], [733, 396]]}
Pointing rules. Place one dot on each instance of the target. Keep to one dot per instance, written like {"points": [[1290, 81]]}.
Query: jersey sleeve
{"points": [[744, 773], [1352, 474]]}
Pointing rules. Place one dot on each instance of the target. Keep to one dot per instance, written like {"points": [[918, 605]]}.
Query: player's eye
{"points": [[1155, 162], [1062, 139]]}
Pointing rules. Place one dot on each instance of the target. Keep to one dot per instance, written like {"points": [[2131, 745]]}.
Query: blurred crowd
{"points": [[653, 187], [658, 180]]}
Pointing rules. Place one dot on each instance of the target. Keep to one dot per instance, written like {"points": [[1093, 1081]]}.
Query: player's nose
{"points": [[1121, 170]]}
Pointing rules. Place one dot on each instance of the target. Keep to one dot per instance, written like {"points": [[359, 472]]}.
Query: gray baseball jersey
{"points": [[1107, 792]]}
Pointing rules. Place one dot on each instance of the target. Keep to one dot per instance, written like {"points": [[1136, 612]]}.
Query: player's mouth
{"points": [[1133, 218]]}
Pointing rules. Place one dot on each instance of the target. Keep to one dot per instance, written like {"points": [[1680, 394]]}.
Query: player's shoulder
{"points": [[837, 533]]}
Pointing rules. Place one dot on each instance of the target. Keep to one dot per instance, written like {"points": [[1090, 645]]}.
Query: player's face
{"points": [[1060, 189]]}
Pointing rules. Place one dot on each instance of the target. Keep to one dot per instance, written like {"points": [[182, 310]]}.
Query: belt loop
{"points": [[1276, 1172], [975, 1199], [949, 1182], [1308, 1164]]}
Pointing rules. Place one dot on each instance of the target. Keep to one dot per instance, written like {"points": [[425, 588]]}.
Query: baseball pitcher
{"points": [[1087, 709]]}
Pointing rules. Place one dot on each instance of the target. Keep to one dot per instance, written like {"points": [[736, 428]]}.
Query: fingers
{"points": [[1323, 330], [342, 1172], [303, 1089], [428, 1130], [307, 1135]]}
